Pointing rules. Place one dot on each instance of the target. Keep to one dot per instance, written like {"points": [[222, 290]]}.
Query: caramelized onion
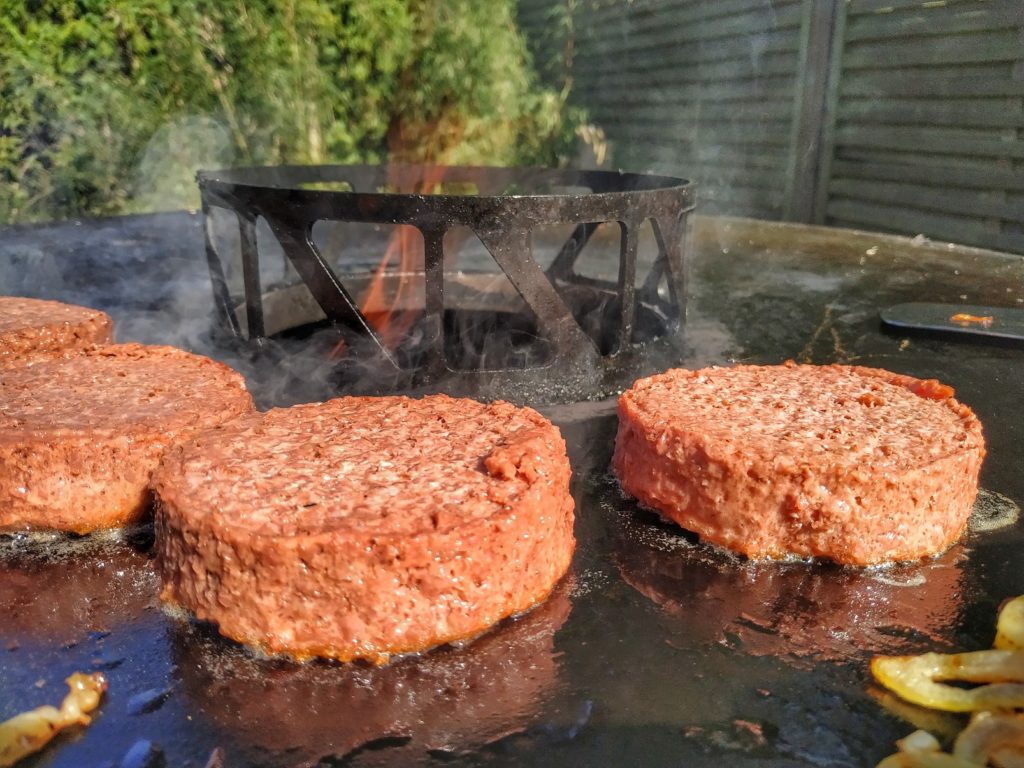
{"points": [[919, 679], [30, 731], [1010, 626], [924, 760], [919, 741], [995, 735], [921, 750]]}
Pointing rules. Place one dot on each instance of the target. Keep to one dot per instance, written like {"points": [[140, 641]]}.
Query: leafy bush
{"points": [[109, 106]]}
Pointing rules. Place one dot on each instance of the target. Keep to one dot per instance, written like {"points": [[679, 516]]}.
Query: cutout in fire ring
{"points": [[525, 284]]}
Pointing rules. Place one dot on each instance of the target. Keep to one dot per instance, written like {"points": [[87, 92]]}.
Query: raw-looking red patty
{"points": [[80, 436], [35, 329], [363, 527], [858, 465]]}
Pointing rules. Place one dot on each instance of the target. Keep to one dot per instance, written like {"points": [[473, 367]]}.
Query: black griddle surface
{"points": [[655, 650]]}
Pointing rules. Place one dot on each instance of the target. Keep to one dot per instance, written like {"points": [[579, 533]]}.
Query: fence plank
{"points": [[936, 226], [699, 110], [679, 11], [754, 90], [669, 35], [729, 178], [746, 116], [809, 108], [996, 80], [639, 70], [724, 134], [666, 30], [944, 199], [992, 113], [829, 119], [1001, 45], [894, 7], [957, 174], [940, 141], [935, 21]]}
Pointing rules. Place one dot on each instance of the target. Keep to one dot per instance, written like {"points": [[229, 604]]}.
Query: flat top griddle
{"points": [[655, 650]]}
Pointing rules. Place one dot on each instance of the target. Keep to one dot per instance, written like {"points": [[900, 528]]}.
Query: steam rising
{"points": [[150, 273], [165, 176]]}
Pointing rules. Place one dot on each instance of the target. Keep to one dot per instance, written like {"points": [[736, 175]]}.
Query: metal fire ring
{"points": [[504, 207]]}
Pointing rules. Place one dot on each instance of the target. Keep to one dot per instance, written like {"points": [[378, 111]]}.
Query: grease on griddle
{"points": [[802, 612], [448, 701], [992, 511], [61, 588]]}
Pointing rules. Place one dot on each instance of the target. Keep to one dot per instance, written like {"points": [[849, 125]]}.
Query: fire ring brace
{"points": [[509, 205]]}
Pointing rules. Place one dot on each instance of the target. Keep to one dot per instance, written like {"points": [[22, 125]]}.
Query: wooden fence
{"points": [[897, 115]]}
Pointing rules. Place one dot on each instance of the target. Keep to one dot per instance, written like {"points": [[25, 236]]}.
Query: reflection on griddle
{"points": [[439, 704], [794, 610], [58, 588]]}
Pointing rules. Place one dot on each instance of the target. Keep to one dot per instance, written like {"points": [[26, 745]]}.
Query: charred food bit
{"points": [[29, 732], [964, 319], [34, 329], [363, 527], [857, 465]]}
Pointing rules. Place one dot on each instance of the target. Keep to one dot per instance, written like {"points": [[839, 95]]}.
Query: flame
{"points": [[426, 143], [387, 318], [391, 317]]}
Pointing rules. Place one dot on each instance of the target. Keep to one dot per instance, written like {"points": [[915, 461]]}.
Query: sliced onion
{"points": [[999, 737], [918, 679], [944, 725], [996, 733], [919, 741], [922, 750], [30, 731], [924, 760], [1010, 627]]}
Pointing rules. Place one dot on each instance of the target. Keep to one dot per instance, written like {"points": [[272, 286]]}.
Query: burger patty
{"points": [[857, 465], [363, 527], [80, 436], [35, 329]]}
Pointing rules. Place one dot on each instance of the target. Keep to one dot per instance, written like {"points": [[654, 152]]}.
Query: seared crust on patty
{"points": [[857, 465], [363, 527], [81, 436], [36, 329]]}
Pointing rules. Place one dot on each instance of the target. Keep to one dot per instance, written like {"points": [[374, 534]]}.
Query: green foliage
{"points": [[109, 106]]}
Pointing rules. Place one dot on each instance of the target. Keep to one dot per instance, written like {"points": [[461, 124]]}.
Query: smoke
{"points": [[26, 267], [147, 271], [151, 274], [165, 179]]}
